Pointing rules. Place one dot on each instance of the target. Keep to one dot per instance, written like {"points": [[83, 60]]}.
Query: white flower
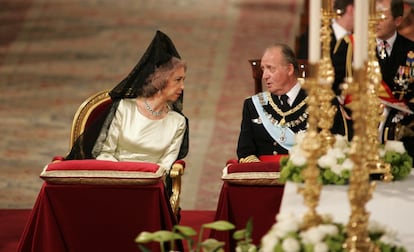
{"points": [[336, 168], [320, 247], [285, 223], [312, 236], [390, 238], [348, 164], [297, 156], [327, 161], [328, 229], [290, 245], [375, 227], [269, 241], [341, 142], [250, 248], [336, 152], [316, 236], [396, 146], [318, 233], [289, 217], [299, 137], [282, 228]]}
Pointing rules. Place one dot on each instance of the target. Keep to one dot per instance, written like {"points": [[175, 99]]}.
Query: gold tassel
{"points": [[348, 56]]}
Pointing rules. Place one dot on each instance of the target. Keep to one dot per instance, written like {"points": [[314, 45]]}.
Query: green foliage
{"points": [[243, 238], [400, 164], [290, 172], [400, 168], [185, 233], [334, 242]]}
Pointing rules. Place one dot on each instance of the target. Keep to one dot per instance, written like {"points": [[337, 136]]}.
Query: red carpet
{"points": [[13, 222], [12, 225]]}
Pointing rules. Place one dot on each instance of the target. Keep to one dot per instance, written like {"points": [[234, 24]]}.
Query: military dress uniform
{"points": [[390, 63], [398, 125], [255, 139], [268, 129]]}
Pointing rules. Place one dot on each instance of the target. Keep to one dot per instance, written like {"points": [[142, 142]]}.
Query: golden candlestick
{"points": [[321, 112], [312, 147], [325, 78], [360, 190]]}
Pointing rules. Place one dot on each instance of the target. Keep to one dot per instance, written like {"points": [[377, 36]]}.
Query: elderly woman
{"points": [[146, 128], [145, 122]]}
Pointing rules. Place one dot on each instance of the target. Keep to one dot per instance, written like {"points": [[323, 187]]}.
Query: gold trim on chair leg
{"points": [[177, 170]]}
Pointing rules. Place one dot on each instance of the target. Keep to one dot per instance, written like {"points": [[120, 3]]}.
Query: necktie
{"points": [[383, 52], [284, 102]]}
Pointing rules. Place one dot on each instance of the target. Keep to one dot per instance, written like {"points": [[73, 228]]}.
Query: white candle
{"points": [[360, 33], [314, 48]]}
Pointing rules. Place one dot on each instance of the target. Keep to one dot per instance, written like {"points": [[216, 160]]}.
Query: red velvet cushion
{"points": [[272, 158], [90, 171], [99, 165], [265, 172], [254, 167]]}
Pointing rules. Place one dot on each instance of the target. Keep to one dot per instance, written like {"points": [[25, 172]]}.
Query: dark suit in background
{"points": [[338, 52], [389, 66], [395, 118]]}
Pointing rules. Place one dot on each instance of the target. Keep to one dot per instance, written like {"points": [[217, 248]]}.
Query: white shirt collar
{"points": [[338, 30], [293, 93], [390, 42]]}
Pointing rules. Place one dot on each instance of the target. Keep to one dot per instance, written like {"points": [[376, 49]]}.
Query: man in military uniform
{"points": [[342, 27], [271, 119], [395, 56]]}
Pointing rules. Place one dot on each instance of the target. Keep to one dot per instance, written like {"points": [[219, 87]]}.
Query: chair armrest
{"points": [[177, 170]]}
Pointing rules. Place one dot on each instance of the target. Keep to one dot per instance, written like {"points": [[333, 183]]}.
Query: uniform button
{"points": [[275, 153], [274, 143]]}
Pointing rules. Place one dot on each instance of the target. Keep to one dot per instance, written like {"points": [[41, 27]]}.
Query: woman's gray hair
{"points": [[158, 79]]}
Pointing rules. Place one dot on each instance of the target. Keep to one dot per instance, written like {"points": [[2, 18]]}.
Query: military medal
{"points": [[282, 121], [282, 137], [382, 53], [410, 59]]}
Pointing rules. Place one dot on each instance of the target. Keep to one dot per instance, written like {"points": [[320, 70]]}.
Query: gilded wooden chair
{"points": [[86, 115]]}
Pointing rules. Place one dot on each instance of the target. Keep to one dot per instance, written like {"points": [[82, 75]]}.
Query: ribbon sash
{"points": [[282, 135]]}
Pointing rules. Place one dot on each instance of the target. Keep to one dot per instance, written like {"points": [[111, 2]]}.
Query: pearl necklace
{"points": [[152, 111]]}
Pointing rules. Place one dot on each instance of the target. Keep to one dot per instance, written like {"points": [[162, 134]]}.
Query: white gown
{"points": [[134, 137]]}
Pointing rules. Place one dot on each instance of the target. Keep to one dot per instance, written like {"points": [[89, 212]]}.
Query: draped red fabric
{"points": [[95, 217], [238, 203]]}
